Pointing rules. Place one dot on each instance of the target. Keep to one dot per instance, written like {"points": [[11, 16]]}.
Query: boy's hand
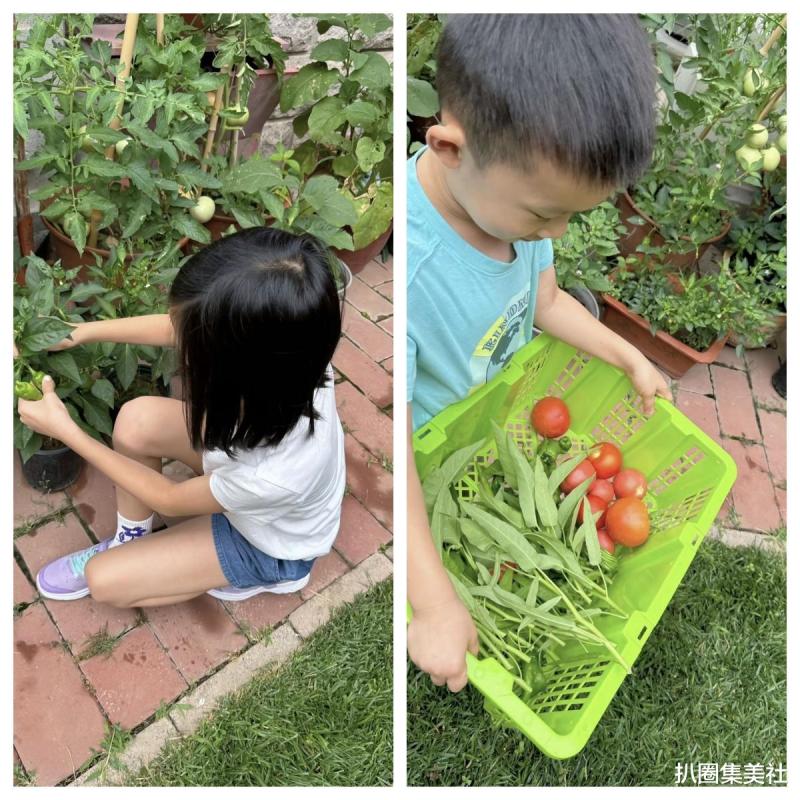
{"points": [[649, 382], [438, 640], [48, 416]]}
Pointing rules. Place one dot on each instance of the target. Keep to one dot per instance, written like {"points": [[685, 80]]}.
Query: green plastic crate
{"points": [[689, 476]]}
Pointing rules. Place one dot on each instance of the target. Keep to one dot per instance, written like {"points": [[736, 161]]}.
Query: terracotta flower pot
{"points": [[62, 247], [684, 260], [673, 356], [358, 259]]}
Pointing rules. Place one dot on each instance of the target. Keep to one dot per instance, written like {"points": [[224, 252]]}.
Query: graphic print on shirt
{"points": [[501, 341]]}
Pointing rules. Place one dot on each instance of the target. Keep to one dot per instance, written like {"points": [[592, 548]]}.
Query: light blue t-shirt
{"points": [[467, 313]]}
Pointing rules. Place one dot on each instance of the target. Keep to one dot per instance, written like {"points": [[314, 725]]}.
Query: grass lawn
{"points": [[709, 686], [325, 718]]}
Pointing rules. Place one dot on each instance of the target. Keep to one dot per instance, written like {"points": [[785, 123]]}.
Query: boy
{"points": [[542, 116]]}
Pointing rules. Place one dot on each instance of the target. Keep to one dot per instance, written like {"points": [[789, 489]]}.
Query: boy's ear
{"points": [[447, 142]]}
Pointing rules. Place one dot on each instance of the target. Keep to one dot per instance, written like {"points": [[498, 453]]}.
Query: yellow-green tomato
{"points": [[782, 120], [782, 140], [121, 145], [87, 143], [749, 158], [203, 209], [757, 136], [770, 157]]}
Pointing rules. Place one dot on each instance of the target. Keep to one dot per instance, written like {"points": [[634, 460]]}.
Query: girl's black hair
{"points": [[257, 318]]}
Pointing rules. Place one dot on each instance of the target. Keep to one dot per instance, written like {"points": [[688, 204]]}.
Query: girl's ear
{"points": [[446, 141]]}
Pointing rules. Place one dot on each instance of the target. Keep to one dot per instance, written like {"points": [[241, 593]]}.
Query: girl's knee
{"points": [[103, 585], [133, 426]]}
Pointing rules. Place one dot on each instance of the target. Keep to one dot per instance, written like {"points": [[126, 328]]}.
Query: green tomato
{"points": [[235, 117], [86, 143], [757, 136], [770, 157], [782, 120], [121, 145], [749, 158], [782, 142], [203, 209]]}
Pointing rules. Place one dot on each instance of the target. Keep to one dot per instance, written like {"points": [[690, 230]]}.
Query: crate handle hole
{"points": [[423, 433], [642, 632]]}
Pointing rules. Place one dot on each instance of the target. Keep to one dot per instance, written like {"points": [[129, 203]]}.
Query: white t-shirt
{"points": [[286, 500]]}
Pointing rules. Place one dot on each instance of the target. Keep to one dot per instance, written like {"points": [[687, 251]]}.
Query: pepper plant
{"points": [[346, 94], [583, 253], [422, 36], [45, 309]]}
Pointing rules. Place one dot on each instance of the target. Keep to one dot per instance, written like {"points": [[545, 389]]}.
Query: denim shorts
{"points": [[245, 565]]}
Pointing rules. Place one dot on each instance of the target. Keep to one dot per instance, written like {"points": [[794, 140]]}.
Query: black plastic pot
{"points": [[587, 299], [52, 470], [779, 380]]}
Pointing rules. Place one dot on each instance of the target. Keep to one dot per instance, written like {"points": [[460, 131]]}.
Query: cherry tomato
{"points": [[550, 417], [583, 471], [628, 522], [606, 458], [606, 542], [603, 489], [630, 483], [598, 506]]}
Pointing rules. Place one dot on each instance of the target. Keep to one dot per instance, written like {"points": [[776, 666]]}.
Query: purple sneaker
{"points": [[64, 579]]}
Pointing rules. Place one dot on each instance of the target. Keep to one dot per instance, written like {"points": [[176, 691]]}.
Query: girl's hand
{"points": [[649, 382], [48, 416], [71, 340]]}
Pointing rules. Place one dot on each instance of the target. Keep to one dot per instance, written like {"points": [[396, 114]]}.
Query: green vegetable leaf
{"points": [[375, 73], [326, 117], [590, 534], [103, 390], [545, 505], [330, 50], [42, 332], [311, 83], [376, 219], [126, 365], [422, 99], [96, 414], [76, 227], [511, 542], [322, 193], [570, 502], [187, 225], [528, 498], [360, 113], [64, 364]]}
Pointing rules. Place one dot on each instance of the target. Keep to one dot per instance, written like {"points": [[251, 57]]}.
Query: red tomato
{"points": [[550, 417], [598, 506], [602, 489], [583, 471], [606, 458], [606, 542], [628, 522], [630, 483]]}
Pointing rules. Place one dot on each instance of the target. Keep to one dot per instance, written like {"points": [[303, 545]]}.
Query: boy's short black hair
{"points": [[578, 89], [257, 318]]}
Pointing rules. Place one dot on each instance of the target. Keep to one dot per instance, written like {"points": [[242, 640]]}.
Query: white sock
{"points": [[129, 529]]}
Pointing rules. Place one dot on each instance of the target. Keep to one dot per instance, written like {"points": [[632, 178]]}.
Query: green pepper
{"points": [[549, 448], [36, 379], [26, 390], [564, 444], [548, 462]]}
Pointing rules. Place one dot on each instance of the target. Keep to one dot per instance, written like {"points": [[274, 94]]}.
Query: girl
{"points": [[255, 318]]}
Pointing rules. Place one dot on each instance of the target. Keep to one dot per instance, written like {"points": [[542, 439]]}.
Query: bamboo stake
{"points": [[212, 125], [774, 36], [125, 60], [234, 154], [23, 208], [770, 104], [160, 29]]}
